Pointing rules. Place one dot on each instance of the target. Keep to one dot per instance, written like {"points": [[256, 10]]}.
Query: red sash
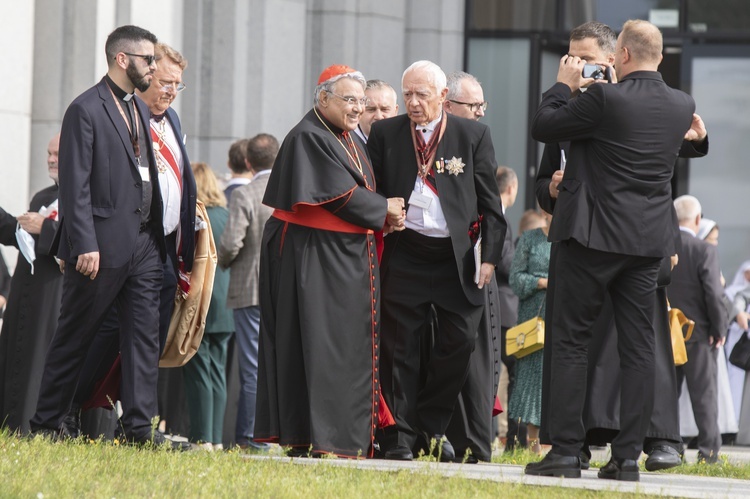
{"points": [[166, 153], [318, 217]]}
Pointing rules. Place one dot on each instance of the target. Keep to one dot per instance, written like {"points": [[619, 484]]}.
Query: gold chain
{"points": [[355, 158]]}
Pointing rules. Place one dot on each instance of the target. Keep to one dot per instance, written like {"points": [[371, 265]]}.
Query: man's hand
{"points": [[556, 179], [717, 342], [31, 222], [396, 213], [570, 71], [485, 274], [673, 261], [88, 264], [697, 132], [3, 301], [742, 320]]}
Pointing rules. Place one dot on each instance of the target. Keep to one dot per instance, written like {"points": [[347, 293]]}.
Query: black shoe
{"points": [[399, 453], [157, 440], [713, 458], [585, 460], [299, 452], [620, 469], [556, 465], [51, 434], [663, 457], [72, 423], [441, 448]]}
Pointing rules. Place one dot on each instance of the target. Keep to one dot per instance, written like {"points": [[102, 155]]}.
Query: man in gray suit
{"points": [[696, 290], [239, 250]]}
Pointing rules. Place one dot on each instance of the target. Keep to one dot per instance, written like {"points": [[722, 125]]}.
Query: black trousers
{"points": [[134, 290], [471, 426], [583, 277], [411, 285], [105, 347]]}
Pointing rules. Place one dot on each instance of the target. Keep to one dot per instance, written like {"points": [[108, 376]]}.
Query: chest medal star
{"points": [[455, 166]]}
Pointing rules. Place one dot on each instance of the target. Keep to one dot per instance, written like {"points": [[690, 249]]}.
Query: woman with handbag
{"points": [[528, 279]]}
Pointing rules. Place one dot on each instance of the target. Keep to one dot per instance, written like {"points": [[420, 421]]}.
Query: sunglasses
{"points": [[148, 58]]}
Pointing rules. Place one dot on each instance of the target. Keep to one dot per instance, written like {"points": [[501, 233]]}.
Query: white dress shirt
{"points": [[430, 221], [169, 183]]}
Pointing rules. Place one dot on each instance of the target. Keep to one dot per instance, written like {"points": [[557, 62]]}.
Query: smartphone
{"points": [[592, 71]]}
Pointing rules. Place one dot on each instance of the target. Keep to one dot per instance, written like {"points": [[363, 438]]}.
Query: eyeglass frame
{"points": [[177, 87], [362, 102], [150, 59], [473, 106]]}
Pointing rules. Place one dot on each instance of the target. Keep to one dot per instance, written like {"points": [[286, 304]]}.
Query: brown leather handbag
{"points": [[189, 316]]}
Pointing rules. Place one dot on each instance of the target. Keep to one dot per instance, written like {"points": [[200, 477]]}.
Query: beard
{"points": [[141, 82]]}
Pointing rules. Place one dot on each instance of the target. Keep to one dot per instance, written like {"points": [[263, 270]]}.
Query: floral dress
{"points": [[530, 263]]}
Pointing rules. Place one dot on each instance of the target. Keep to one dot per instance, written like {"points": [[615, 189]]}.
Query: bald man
{"points": [[625, 139]]}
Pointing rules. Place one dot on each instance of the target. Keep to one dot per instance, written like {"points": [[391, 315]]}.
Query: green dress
{"points": [[530, 263]]}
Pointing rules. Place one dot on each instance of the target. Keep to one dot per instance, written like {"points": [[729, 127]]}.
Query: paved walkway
{"points": [[657, 484]]}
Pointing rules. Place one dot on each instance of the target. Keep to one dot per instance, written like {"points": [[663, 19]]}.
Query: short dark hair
{"points": [[261, 151], [605, 36], [123, 38], [237, 156]]}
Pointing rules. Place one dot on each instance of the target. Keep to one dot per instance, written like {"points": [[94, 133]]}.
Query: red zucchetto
{"points": [[336, 70]]}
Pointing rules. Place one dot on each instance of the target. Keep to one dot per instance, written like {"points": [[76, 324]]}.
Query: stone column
{"points": [[17, 37]]}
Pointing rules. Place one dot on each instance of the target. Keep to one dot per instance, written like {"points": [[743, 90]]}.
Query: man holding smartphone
{"points": [[611, 210]]}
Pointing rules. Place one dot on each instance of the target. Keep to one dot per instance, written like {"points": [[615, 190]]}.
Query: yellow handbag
{"points": [[677, 322], [525, 338]]}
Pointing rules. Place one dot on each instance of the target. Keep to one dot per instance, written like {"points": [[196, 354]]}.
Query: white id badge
{"points": [[419, 200], [143, 170]]}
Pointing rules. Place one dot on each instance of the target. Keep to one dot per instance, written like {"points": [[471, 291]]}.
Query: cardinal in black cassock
{"points": [[318, 382]]}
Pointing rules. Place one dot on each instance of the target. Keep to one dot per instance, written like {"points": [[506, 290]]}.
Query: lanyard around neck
{"points": [[136, 117]]}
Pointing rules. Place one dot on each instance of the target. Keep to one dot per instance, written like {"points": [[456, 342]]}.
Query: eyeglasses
{"points": [[474, 107], [352, 101], [166, 86], [148, 58]]}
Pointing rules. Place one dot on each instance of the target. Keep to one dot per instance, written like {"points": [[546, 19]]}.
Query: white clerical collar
{"points": [[689, 231], [430, 127], [128, 97]]}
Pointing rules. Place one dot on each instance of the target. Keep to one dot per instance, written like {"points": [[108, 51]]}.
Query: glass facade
{"points": [[720, 180], [514, 47], [503, 68]]}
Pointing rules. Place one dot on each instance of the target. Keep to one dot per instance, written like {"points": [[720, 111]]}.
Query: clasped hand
{"points": [[394, 221]]}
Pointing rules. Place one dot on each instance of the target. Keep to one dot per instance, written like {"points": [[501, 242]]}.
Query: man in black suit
{"points": [[446, 168], [612, 208], [111, 238], [696, 290], [178, 195]]}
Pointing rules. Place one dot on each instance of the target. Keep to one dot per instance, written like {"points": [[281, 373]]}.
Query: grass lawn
{"points": [[39, 468]]}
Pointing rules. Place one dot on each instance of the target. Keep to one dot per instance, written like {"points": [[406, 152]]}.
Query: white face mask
{"points": [[26, 245]]}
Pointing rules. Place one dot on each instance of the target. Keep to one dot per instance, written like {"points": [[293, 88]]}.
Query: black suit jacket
{"points": [[189, 195], [100, 186], [616, 195], [462, 196], [696, 288]]}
